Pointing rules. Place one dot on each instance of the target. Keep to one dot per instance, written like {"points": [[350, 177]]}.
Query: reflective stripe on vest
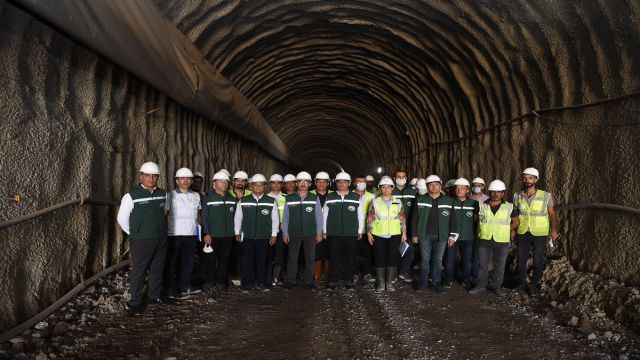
{"points": [[535, 217], [387, 221], [498, 226]]}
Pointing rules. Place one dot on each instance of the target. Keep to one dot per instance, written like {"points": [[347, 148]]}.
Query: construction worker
{"points": [[256, 225], [407, 196], [289, 184], [237, 191], [278, 252], [198, 181], [497, 222], [183, 206], [477, 186], [322, 248], [413, 183], [466, 214], [365, 253], [386, 228], [343, 226], [371, 181], [302, 227], [218, 210], [449, 188], [240, 179], [142, 217], [538, 222], [433, 224]]}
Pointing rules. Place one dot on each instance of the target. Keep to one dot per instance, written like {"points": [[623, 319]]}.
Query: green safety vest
{"points": [[147, 219], [387, 221], [302, 215], [464, 218], [256, 216], [424, 208], [535, 217], [220, 214], [495, 227], [406, 195], [343, 214]]}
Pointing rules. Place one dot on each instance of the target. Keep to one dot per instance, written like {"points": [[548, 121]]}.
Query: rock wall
{"points": [[74, 125]]}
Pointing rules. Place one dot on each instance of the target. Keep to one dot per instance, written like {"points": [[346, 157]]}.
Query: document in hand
{"points": [[403, 248]]}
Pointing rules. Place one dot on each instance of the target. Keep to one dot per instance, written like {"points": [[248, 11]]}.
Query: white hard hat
{"points": [[257, 178], [226, 172], [413, 181], [276, 178], [150, 168], [531, 171], [450, 183], [433, 178], [241, 175], [421, 184], [184, 172], [198, 174], [497, 185], [462, 181], [343, 176], [322, 176], [220, 175], [478, 180], [386, 181], [303, 175], [370, 178], [289, 177]]}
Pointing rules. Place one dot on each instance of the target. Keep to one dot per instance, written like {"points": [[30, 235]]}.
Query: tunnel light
{"points": [[379, 170]]}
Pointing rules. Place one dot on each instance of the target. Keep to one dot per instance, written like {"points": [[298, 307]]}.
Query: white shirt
{"points": [[183, 212], [275, 218], [325, 215]]}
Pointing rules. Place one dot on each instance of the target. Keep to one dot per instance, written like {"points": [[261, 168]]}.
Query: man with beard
{"points": [[322, 248], [407, 196], [238, 191], [290, 184], [240, 179], [278, 252], [198, 181], [538, 222]]}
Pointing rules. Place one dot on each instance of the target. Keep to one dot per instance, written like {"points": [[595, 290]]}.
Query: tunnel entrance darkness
{"points": [[455, 88]]}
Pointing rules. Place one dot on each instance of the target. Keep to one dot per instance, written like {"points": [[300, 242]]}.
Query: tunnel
{"points": [[455, 88]]}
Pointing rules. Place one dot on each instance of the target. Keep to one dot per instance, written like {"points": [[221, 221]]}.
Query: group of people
{"points": [[288, 235]]}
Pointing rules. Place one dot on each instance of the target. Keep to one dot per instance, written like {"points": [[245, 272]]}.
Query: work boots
{"points": [[379, 279], [391, 275]]}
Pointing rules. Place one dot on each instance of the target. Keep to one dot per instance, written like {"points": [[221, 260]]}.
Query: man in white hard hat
{"points": [[449, 188], [413, 183], [433, 226], [343, 227], [142, 217], [498, 220], [538, 222], [183, 206], [256, 225], [365, 251], [218, 211], [371, 185], [302, 227], [322, 248], [197, 184], [477, 187], [277, 252], [289, 184], [466, 213], [240, 179], [407, 196]]}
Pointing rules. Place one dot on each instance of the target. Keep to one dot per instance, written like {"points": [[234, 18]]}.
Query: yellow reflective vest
{"points": [[535, 217], [387, 221], [496, 226]]}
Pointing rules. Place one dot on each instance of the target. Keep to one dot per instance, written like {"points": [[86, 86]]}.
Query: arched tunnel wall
{"points": [[74, 125], [360, 83]]}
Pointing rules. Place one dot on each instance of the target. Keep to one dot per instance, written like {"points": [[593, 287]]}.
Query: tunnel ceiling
{"points": [[365, 83]]}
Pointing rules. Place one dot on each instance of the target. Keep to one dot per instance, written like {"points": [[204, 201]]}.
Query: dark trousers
{"points": [[179, 260], [489, 250], [216, 264], [278, 253], [342, 255], [365, 256], [385, 251], [309, 252], [475, 259], [539, 243], [149, 254], [466, 250], [431, 252], [254, 262]]}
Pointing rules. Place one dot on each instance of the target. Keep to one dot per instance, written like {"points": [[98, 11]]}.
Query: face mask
{"points": [[422, 191], [361, 186], [401, 182], [476, 190]]}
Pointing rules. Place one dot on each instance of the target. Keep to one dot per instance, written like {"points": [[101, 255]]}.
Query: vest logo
{"points": [[409, 203], [231, 209], [445, 212], [308, 209], [162, 205], [469, 214], [265, 212], [351, 208]]}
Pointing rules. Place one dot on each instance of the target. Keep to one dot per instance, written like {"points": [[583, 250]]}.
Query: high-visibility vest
{"points": [[535, 217], [496, 226], [280, 200], [387, 221]]}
